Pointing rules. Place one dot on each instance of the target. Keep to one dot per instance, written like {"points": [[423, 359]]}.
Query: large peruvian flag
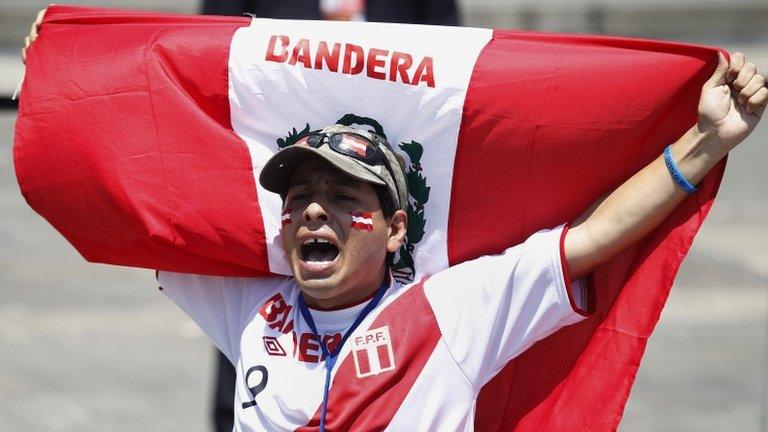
{"points": [[140, 138]]}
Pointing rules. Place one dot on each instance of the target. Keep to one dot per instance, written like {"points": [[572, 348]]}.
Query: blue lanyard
{"points": [[330, 358]]}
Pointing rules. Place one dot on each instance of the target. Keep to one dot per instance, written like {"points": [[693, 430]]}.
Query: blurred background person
{"points": [[440, 12]]}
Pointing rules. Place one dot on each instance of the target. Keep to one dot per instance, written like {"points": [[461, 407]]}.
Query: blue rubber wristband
{"points": [[675, 172]]}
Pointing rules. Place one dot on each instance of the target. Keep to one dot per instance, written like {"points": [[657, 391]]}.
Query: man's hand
{"points": [[34, 31], [732, 101], [731, 104]]}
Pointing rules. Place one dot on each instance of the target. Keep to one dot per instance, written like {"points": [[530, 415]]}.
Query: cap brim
{"points": [[277, 172]]}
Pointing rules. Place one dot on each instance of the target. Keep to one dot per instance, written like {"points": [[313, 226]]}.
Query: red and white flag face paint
{"points": [[362, 221], [285, 219]]}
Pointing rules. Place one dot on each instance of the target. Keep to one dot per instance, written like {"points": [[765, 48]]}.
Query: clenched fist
{"points": [[732, 101]]}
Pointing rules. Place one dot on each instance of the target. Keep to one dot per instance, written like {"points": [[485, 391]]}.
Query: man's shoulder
{"points": [[187, 284], [169, 277]]}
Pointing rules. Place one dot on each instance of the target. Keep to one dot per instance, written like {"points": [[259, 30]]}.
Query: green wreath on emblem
{"points": [[418, 191]]}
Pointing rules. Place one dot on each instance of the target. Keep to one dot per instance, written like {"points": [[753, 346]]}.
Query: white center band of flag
{"points": [[277, 69]]}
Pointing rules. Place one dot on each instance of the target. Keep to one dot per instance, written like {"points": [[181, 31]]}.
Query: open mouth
{"points": [[318, 251]]}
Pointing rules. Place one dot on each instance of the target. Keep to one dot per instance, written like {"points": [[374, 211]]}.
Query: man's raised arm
{"points": [[731, 104]]}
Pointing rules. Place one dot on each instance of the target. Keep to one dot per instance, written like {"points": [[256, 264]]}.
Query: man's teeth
{"points": [[316, 240]]}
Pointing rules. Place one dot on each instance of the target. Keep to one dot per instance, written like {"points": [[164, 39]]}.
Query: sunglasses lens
{"points": [[314, 140], [353, 145]]}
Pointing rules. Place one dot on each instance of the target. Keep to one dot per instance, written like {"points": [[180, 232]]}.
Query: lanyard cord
{"points": [[330, 358]]}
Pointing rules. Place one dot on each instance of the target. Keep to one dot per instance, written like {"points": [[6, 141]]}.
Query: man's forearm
{"points": [[639, 205]]}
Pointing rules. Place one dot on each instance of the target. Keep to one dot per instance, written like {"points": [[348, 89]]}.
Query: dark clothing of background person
{"points": [[223, 395], [439, 12], [280, 9]]}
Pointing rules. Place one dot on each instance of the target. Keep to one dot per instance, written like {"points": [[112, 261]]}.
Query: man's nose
{"points": [[315, 212]]}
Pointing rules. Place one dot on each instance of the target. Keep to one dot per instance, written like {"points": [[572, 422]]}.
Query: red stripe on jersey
{"points": [[370, 403]]}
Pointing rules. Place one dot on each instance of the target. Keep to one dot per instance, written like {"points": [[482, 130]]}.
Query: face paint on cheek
{"points": [[285, 219], [362, 221]]}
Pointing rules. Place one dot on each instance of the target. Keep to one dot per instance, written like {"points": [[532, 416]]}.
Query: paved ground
{"points": [[85, 347]]}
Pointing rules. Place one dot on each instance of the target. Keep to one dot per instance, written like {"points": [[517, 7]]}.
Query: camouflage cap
{"points": [[276, 174]]}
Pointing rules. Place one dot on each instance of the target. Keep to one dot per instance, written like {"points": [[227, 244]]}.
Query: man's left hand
{"points": [[732, 101], [731, 104]]}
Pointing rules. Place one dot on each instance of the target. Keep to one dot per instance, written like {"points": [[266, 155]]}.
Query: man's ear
{"points": [[397, 228]]}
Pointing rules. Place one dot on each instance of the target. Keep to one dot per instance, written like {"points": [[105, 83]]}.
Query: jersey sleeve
{"points": [[491, 309], [221, 306]]}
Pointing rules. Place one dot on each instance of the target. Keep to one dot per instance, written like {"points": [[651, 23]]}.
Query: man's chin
{"points": [[318, 289], [314, 280]]}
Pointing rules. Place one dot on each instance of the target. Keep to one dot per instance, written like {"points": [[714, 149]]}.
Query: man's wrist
{"points": [[696, 152], [708, 142]]}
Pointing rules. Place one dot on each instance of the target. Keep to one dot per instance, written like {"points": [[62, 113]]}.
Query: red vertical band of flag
{"points": [[550, 143], [157, 170]]}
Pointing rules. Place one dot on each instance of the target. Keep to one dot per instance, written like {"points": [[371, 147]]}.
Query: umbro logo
{"points": [[372, 352], [272, 346]]}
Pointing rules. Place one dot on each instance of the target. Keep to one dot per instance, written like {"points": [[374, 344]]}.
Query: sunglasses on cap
{"points": [[353, 145]]}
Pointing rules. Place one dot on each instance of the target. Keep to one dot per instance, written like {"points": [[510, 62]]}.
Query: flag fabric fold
{"points": [[140, 137]]}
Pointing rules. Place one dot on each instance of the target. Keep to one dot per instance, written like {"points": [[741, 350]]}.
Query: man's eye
{"points": [[342, 197]]}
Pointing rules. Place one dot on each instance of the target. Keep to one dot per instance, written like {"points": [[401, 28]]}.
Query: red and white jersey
{"points": [[415, 363]]}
